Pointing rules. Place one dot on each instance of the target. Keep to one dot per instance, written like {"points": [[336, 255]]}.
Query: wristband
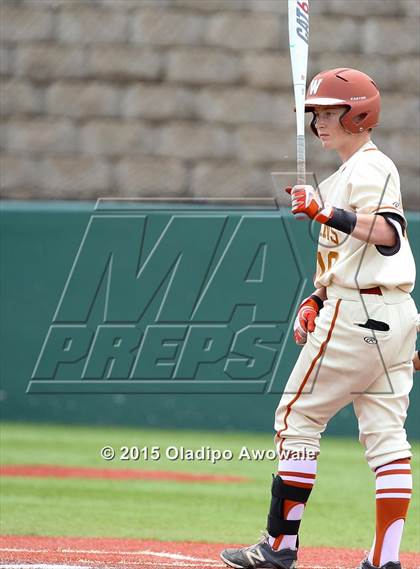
{"points": [[342, 220], [318, 300]]}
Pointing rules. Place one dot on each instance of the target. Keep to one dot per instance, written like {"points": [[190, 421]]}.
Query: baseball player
{"points": [[357, 329]]}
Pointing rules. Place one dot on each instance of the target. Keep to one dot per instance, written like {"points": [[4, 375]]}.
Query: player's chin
{"points": [[327, 143]]}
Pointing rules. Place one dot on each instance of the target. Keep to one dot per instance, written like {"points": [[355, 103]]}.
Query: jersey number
{"points": [[331, 259]]}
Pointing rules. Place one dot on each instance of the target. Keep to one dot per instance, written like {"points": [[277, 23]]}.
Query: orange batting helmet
{"points": [[350, 88]]}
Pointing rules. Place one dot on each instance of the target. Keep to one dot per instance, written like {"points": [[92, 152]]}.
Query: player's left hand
{"points": [[305, 200], [305, 320]]}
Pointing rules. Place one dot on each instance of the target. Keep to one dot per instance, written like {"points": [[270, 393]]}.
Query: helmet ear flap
{"points": [[359, 120], [342, 121]]}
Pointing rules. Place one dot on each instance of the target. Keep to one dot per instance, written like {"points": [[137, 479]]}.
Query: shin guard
{"points": [[280, 491]]}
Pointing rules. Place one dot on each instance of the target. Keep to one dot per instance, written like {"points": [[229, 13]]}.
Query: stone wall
{"points": [[186, 97]]}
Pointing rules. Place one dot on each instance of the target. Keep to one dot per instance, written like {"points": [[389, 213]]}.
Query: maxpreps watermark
{"points": [[173, 300]]}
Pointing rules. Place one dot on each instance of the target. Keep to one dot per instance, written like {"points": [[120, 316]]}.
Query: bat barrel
{"points": [[298, 16]]}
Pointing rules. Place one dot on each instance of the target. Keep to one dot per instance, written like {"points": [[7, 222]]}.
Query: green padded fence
{"points": [[164, 316]]}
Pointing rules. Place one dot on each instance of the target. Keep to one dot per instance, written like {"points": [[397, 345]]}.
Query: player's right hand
{"points": [[307, 202], [305, 320]]}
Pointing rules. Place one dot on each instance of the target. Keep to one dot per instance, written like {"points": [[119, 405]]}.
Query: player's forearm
{"points": [[374, 229], [366, 227], [321, 293]]}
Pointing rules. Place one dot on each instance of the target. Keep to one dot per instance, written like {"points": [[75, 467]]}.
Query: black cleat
{"points": [[260, 555], [390, 565]]}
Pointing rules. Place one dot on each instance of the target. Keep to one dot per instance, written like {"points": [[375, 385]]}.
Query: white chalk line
{"points": [[42, 566], [177, 559], [125, 563], [92, 564], [143, 563], [175, 556], [134, 563]]}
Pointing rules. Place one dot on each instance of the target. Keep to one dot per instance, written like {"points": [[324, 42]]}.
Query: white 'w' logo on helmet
{"points": [[314, 86]]}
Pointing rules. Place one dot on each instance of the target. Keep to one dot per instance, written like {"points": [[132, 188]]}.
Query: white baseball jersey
{"points": [[363, 343], [368, 182]]}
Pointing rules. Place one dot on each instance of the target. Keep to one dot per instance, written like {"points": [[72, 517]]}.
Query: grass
{"points": [[340, 512]]}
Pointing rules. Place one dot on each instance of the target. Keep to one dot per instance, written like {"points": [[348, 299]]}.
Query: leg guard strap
{"points": [[282, 490], [286, 527]]}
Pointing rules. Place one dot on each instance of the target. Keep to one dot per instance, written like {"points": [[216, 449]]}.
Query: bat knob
{"points": [[288, 190]]}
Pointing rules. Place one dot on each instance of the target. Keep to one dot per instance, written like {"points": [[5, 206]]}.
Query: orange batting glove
{"points": [[305, 200], [305, 319]]}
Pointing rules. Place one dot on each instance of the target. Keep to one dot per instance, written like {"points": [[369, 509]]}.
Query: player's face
{"points": [[327, 122]]}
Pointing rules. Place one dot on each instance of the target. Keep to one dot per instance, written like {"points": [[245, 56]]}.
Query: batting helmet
{"points": [[350, 88]]}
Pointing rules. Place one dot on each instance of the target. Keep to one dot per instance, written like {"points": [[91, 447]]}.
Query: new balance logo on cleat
{"points": [[260, 556], [254, 555]]}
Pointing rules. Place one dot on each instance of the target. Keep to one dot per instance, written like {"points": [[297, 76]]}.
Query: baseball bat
{"points": [[298, 16]]}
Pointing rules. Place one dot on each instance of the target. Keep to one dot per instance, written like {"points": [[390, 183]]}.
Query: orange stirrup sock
{"points": [[393, 492]]}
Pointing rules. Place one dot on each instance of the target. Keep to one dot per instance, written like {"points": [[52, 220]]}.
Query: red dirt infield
{"points": [[57, 471], [101, 553]]}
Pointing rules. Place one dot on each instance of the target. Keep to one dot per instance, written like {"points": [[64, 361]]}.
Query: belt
{"points": [[374, 290], [378, 294]]}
